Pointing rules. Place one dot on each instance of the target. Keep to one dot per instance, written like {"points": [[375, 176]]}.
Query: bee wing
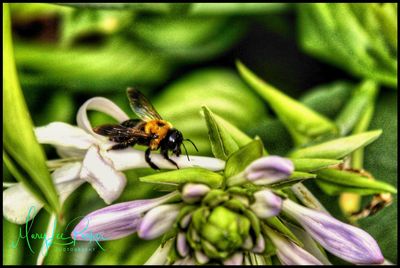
{"points": [[141, 106], [120, 133]]}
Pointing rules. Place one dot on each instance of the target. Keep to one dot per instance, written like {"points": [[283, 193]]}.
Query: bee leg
{"points": [[165, 154], [148, 160]]}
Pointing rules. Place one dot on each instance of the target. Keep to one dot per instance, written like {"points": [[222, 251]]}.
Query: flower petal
{"points": [[288, 252], [267, 204], [309, 244], [66, 137], [185, 261], [192, 192], [235, 259], [269, 169], [99, 104], [66, 179], [260, 245], [130, 158], [158, 220], [181, 244], [19, 205], [100, 173], [18, 201], [343, 240], [116, 221]]}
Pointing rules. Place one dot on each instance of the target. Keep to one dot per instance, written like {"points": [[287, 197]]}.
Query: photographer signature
{"points": [[55, 238]]}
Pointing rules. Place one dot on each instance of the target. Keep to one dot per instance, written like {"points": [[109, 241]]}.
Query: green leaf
{"points": [[334, 189], [20, 176], [302, 122], [222, 143], [381, 159], [12, 253], [240, 159], [353, 179], [296, 177], [337, 148], [277, 224], [237, 135], [313, 164], [362, 97], [190, 38], [23, 148], [80, 23], [190, 8], [49, 66], [182, 176], [353, 37]]}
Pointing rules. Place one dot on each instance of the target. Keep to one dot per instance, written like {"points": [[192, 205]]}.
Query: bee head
{"points": [[174, 141]]}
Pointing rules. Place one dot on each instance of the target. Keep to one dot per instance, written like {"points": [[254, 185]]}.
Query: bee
{"points": [[150, 130]]}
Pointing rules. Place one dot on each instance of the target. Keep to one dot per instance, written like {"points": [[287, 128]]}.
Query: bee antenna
{"points": [[192, 143], [186, 151]]}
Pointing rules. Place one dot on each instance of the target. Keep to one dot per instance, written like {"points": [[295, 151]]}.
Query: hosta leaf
{"points": [[277, 224], [182, 176], [296, 177], [355, 108], [22, 148], [313, 164], [334, 189], [353, 179], [337, 148], [240, 159], [222, 143], [302, 122]]}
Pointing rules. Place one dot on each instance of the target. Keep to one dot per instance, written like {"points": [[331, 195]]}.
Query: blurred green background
{"points": [[182, 56]]}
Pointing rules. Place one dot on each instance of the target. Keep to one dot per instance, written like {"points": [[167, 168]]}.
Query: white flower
{"points": [[98, 166]]}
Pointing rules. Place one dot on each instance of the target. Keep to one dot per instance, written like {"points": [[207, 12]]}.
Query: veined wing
{"points": [[141, 106], [120, 133]]}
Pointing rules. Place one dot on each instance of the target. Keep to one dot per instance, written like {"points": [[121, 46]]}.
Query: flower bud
{"points": [[343, 240], [267, 204], [192, 192], [288, 252], [115, 221], [269, 169], [157, 221], [235, 259], [181, 244]]}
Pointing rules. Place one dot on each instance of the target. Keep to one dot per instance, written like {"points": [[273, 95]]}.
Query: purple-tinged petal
{"points": [[269, 169], [158, 220], [116, 221], [288, 252], [181, 244], [343, 240], [235, 259], [193, 192], [267, 204], [101, 174], [309, 244], [186, 220], [260, 245]]}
